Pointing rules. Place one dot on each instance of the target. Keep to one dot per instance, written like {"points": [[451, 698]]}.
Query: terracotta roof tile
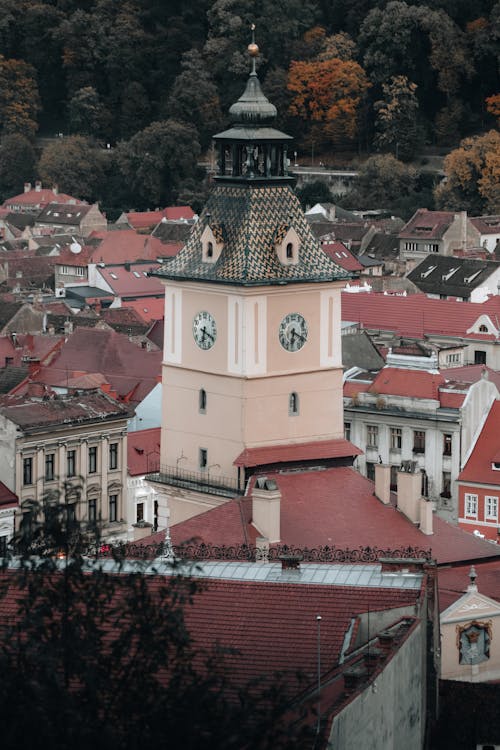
{"points": [[124, 245], [275, 454], [485, 451], [412, 383], [7, 498], [143, 451], [133, 280], [341, 255]]}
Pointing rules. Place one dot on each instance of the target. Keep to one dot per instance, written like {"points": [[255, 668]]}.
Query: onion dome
{"points": [[253, 107]]}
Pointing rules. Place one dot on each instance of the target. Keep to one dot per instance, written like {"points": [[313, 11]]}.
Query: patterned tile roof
{"points": [[251, 216]]}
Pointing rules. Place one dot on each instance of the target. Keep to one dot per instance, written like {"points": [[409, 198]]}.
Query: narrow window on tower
{"points": [[293, 404], [202, 401], [203, 459], [289, 250], [210, 249]]}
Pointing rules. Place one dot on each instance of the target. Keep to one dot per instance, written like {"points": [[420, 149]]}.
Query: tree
{"points": [[194, 98], [19, 100], [472, 181], [75, 164], [339, 45], [314, 192], [329, 92], [135, 109], [385, 182], [87, 115], [17, 164], [156, 161], [396, 118], [99, 657], [493, 106]]}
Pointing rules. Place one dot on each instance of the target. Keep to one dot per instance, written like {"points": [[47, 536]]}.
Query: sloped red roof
{"points": [[453, 582], [149, 308], [416, 315], [449, 400], [124, 245], [143, 451], [41, 198], [486, 224], [427, 224], [133, 280], [334, 507], [175, 213], [401, 382], [485, 451], [318, 449], [339, 253], [7, 498], [147, 219]]}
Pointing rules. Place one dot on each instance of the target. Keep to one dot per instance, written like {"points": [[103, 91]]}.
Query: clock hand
{"points": [[206, 333]]}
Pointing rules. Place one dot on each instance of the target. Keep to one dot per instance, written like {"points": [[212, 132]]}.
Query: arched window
{"points": [[210, 250], [483, 329], [202, 401], [293, 404], [289, 250]]}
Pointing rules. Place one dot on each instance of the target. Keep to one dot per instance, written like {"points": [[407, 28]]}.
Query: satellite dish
{"points": [[75, 248]]}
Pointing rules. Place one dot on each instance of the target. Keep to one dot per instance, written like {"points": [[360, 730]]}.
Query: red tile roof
{"points": [[453, 582], [7, 498], [175, 213], [147, 219], [149, 308], [124, 245], [416, 315], [486, 224], [339, 253], [274, 454], [143, 451], [40, 198], [485, 451], [425, 223], [133, 280], [401, 382], [334, 507]]}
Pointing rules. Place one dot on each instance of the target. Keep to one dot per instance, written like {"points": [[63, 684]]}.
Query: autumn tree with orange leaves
{"points": [[329, 94]]}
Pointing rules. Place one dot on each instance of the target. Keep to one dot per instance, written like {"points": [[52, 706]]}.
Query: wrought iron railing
{"points": [[243, 552], [201, 481]]}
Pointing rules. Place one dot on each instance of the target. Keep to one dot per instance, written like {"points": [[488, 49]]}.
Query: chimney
{"points": [[55, 189], [27, 187], [383, 482], [266, 502], [354, 677], [68, 327], [426, 526], [38, 186], [410, 490], [290, 562]]}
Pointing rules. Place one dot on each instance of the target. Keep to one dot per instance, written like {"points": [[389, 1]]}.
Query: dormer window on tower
{"points": [[287, 245], [212, 242]]}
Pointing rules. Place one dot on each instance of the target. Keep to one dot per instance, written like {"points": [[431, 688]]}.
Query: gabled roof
{"points": [[427, 224], [455, 277], [416, 315], [143, 451], [333, 507], [250, 216], [7, 498], [40, 197], [133, 280], [124, 245], [150, 309], [412, 383], [63, 213], [339, 253], [124, 320], [382, 246], [486, 224], [485, 452]]}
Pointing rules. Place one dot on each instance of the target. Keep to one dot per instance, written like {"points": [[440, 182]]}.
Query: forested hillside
{"points": [[154, 80]]}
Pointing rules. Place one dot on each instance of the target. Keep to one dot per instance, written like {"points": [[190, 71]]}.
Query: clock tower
{"points": [[252, 355]]}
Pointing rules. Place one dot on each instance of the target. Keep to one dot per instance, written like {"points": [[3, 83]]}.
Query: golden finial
{"points": [[253, 49]]}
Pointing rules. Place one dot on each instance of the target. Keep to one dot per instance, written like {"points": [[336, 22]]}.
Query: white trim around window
{"points": [[491, 508], [470, 505]]}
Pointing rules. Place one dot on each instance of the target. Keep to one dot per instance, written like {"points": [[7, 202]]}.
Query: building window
{"points": [[453, 359], [411, 246], [424, 488], [202, 401], [394, 478], [28, 471], [113, 455], [293, 404], [71, 463], [483, 329], [470, 505], [371, 435], [396, 438], [446, 484], [92, 459], [50, 462], [289, 250], [491, 508], [3, 546], [139, 512], [210, 249], [479, 357], [370, 470], [92, 509], [113, 508], [347, 430], [447, 444], [203, 458], [431, 247], [155, 515], [419, 441]]}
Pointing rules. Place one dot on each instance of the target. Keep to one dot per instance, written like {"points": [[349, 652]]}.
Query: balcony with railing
{"points": [[206, 482]]}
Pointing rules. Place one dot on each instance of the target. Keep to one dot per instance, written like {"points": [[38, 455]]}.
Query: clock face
{"points": [[293, 332], [204, 330]]}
